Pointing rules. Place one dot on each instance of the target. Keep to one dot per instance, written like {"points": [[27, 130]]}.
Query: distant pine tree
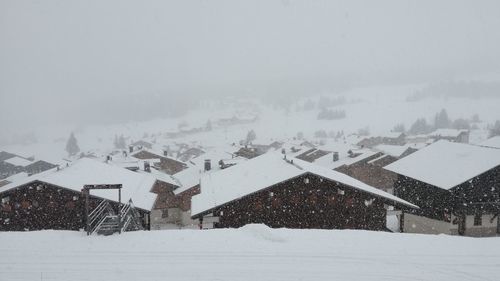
{"points": [[120, 142], [420, 127], [399, 128], [442, 120], [251, 136], [72, 145], [208, 126], [495, 129]]}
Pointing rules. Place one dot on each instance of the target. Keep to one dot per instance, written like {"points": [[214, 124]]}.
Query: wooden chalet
{"points": [[190, 153], [248, 152], [11, 164], [370, 170], [290, 193], [168, 165], [54, 199], [312, 154], [140, 144], [453, 135], [391, 138], [172, 208], [456, 186]]}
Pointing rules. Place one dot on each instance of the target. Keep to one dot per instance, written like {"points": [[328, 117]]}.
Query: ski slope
{"points": [[253, 252]]}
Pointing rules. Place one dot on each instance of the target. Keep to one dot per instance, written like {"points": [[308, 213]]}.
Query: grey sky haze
{"points": [[57, 57]]}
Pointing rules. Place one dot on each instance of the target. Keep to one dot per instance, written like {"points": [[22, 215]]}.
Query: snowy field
{"points": [[251, 253]]}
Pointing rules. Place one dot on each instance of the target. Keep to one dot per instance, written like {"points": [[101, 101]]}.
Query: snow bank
{"points": [[250, 253]]}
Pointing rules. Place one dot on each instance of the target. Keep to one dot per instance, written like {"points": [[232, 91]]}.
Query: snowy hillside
{"points": [[253, 252], [378, 109]]}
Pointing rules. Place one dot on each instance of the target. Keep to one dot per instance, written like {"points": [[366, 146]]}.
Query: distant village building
{"points": [[391, 138], [141, 144], [290, 193], [454, 135], [370, 170], [189, 154], [167, 164], [11, 164], [248, 152], [312, 155], [456, 186]]}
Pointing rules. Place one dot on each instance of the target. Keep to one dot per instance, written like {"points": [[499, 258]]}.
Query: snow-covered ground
{"points": [[253, 252]]}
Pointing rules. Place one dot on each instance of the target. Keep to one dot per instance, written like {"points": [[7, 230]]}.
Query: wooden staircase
{"points": [[104, 220]]}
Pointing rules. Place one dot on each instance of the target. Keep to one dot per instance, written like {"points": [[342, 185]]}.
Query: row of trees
{"points": [[72, 147], [323, 103], [330, 114], [441, 121]]}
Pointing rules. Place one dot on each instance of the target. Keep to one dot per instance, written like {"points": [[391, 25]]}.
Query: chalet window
{"points": [[271, 194], [75, 198], [5, 200], [478, 220], [257, 205], [25, 204], [369, 202], [164, 213], [306, 180], [70, 205], [340, 191]]}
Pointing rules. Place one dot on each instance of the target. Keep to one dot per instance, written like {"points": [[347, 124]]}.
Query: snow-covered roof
{"points": [[88, 171], [161, 176], [453, 133], [17, 177], [188, 178], [18, 161], [262, 172], [392, 135], [392, 150], [492, 142], [344, 158], [447, 164]]}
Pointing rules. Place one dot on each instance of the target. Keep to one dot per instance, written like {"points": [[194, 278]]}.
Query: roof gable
{"points": [[447, 164], [87, 171], [262, 172]]}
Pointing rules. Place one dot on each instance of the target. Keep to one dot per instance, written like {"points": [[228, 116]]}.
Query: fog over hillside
{"points": [[89, 62]]}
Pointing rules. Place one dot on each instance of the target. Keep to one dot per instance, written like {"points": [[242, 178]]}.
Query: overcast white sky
{"points": [[56, 56]]}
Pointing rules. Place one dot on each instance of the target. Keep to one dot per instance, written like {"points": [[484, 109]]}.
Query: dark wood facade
{"points": [[374, 141], [39, 205], [168, 199], [371, 174], [479, 195], [308, 201]]}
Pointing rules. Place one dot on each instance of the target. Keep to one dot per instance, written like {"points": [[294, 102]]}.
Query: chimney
{"points": [[165, 152], [147, 167], [108, 158], [335, 156], [208, 165], [130, 149]]}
